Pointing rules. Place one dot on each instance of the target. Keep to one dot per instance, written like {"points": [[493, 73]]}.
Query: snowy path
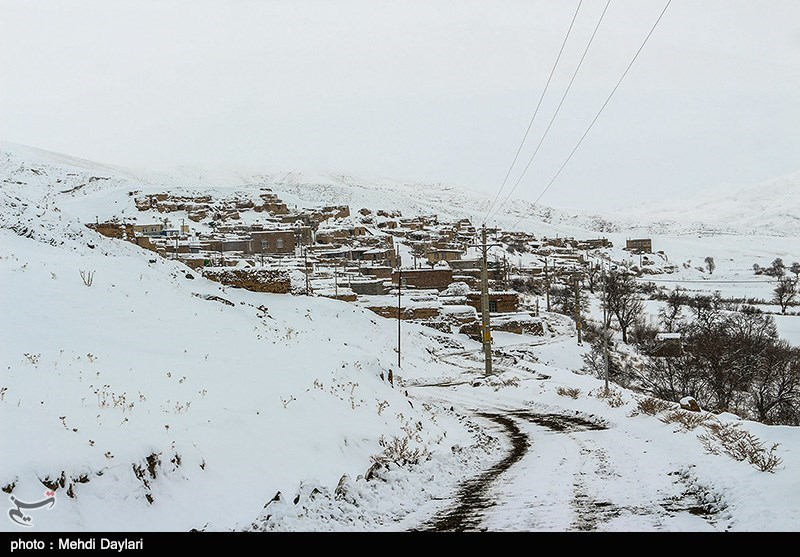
{"points": [[542, 483]]}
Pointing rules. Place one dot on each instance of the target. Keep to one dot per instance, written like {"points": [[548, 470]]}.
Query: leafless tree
{"points": [[622, 300], [785, 293]]}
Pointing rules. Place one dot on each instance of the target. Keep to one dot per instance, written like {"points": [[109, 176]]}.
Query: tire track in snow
{"points": [[474, 497]]}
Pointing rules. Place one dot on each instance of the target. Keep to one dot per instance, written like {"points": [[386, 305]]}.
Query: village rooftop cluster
{"points": [[258, 243]]}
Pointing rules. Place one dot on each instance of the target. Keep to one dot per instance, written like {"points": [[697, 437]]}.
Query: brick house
{"points": [[443, 254], [499, 302], [381, 272], [228, 244], [595, 243], [425, 278], [272, 241], [641, 245], [386, 255]]}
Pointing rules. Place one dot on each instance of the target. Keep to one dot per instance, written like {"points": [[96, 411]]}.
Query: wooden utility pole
{"points": [[605, 327], [308, 280], [485, 320], [546, 285], [578, 307], [399, 314]]}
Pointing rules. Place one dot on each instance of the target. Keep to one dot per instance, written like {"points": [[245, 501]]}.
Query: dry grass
{"points": [[686, 419], [610, 395], [399, 451], [652, 406], [571, 392], [741, 445]]}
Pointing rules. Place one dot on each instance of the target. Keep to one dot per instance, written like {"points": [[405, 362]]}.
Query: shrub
{"points": [[741, 445], [399, 451], [87, 277], [686, 419], [611, 396], [652, 406], [569, 391]]}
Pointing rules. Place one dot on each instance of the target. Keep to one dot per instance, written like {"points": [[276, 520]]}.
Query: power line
{"points": [[536, 111], [647, 38], [558, 108]]}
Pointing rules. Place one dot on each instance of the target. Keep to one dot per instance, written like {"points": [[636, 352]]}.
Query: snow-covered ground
{"points": [[146, 402]]}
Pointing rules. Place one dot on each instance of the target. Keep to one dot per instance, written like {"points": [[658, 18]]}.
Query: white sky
{"points": [[432, 91]]}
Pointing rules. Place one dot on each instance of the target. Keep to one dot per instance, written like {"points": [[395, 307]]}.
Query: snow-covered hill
{"points": [[148, 395], [149, 398], [771, 207]]}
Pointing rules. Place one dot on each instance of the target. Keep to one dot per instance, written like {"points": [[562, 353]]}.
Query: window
{"points": [[279, 243], [264, 245], [493, 305]]}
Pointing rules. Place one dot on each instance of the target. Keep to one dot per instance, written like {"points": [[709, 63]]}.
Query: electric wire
{"points": [[536, 111], [602, 108], [555, 114]]}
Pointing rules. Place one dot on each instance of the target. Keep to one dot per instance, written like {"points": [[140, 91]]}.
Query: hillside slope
{"points": [[148, 395]]}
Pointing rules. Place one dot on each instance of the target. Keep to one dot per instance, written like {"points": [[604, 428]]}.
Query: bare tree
{"points": [[622, 300], [785, 293], [795, 270], [562, 298], [593, 275], [776, 385], [673, 378], [710, 265], [776, 269], [671, 313], [707, 310]]}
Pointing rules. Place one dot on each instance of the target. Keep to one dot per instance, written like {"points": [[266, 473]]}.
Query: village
{"points": [[419, 268]]}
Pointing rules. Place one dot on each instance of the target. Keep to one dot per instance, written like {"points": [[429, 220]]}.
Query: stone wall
{"points": [[275, 281]]}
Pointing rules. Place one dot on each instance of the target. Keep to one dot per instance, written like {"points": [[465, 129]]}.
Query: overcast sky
{"points": [[428, 90]]}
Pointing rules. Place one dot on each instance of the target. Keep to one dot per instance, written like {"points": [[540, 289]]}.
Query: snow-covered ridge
{"points": [[769, 208]]}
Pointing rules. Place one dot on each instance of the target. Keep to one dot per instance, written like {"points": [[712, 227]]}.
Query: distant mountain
{"points": [[770, 208]]}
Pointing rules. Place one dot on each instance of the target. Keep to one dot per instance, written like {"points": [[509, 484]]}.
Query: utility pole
{"points": [[605, 327], [485, 320], [335, 279], [305, 258], [578, 308], [546, 285], [399, 315]]}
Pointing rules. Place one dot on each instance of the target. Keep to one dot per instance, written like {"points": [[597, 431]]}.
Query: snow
{"points": [[238, 404]]}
